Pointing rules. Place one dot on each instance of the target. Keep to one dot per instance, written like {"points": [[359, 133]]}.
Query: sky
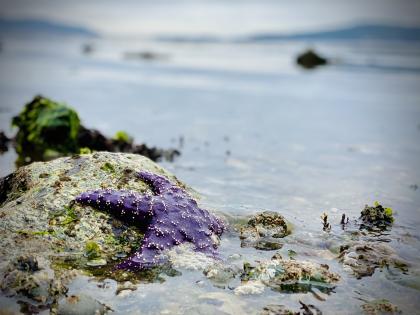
{"points": [[217, 17]]}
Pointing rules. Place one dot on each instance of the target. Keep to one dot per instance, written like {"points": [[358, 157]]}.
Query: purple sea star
{"points": [[169, 217]]}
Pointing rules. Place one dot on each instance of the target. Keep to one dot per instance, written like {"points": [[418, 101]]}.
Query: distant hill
{"points": [[358, 32], [30, 27]]}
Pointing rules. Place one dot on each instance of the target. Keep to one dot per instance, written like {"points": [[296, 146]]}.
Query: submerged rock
{"points": [[310, 59], [81, 305], [264, 231], [38, 215], [32, 277], [286, 276], [4, 142], [274, 309], [376, 217], [362, 258], [378, 307], [221, 275], [144, 55]]}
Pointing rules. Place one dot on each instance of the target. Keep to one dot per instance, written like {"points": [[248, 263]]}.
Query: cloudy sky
{"points": [[138, 17]]}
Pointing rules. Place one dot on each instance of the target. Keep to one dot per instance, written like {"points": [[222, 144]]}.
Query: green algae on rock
{"points": [[46, 129], [38, 215], [264, 231]]}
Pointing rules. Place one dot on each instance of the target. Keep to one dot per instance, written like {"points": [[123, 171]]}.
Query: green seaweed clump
{"points": [[122, 136], [377, 216], [46, 129]]}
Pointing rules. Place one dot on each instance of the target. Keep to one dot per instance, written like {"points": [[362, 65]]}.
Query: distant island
{"points": [[344, 33], [357, 32], [33, 27]]}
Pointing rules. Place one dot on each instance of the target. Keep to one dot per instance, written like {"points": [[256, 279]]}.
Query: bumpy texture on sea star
{"points": [[169, 217]]}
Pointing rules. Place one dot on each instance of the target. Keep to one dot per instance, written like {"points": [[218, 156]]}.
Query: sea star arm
{"points": [[149, 254], [159, 184], [128, 206]]}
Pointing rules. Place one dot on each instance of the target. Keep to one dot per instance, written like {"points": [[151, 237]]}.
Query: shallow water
{"points": [[256, 133]]}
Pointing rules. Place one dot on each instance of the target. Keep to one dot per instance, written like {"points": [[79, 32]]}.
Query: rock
{"points": [[378, 307], [264, 231], [144, 55], [124, 288], [81, 305], [250, 288], [287, 276], [33, 278], [274, 309], [4, 142], [362, 258], [310, 59], [184, 257], [376, 217], [221, 275], [37, 211], [96, 262]]}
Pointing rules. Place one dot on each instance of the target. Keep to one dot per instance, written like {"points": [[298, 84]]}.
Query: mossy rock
{"points": [[264, 231], [38, 215], [363, 258], [289, 275]]}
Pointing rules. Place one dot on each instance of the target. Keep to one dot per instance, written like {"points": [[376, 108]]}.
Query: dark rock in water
{"points": [[87, 49], [48, 129], [264, 231], [414, 187], [274, 309], [93, 139], [4, 142], [310, 59], [363, 258], [376, 217], [143, 55]]}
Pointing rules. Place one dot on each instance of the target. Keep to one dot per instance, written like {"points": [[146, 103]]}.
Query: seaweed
{"points": [[46, 129], [376, 217]]}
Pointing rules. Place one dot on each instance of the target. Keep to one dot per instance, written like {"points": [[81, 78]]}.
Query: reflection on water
{"points": [[258, 133]]}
